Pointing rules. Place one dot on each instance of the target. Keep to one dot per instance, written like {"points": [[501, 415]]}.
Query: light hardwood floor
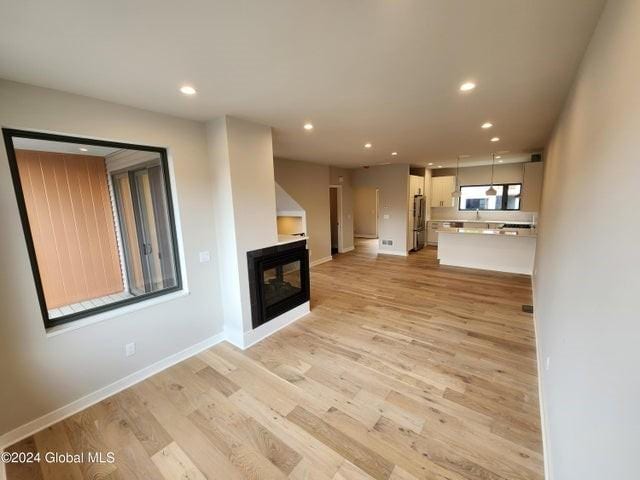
{"points": [[404, 370]]}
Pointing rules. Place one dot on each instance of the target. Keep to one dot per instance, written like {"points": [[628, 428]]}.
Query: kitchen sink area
{"points": [[434, 226]]}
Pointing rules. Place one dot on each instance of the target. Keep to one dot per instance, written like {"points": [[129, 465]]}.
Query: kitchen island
{"points": [[502, 250]]}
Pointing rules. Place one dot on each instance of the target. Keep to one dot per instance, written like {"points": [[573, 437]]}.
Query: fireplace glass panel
{"points": [[281, 282]]}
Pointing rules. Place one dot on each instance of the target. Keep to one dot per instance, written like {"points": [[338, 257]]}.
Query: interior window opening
{"points": [[98, 220]]}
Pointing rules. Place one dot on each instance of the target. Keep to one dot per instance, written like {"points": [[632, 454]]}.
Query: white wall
{"points": [[587, 282], [308, 184], [335, 176], [241, 152], [365, 219], [286, 204], [392, 181], [43, 373]]}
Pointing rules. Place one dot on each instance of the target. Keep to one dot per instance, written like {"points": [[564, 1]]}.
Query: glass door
{"points": [[129, 233], [142, 207]]}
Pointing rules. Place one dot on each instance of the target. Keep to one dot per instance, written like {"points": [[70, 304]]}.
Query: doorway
{"points": [[365, 215], [377, 213], [335, 218]]}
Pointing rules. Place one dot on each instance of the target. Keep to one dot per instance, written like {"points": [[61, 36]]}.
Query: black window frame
{"points": [[505, 199], [9, 134]]}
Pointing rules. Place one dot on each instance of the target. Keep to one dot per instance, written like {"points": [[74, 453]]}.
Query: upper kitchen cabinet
{"points": [[441, 189]]}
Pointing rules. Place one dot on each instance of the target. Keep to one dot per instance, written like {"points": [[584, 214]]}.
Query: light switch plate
{"points": [[130, 349], [386, 217], [204, 257]]}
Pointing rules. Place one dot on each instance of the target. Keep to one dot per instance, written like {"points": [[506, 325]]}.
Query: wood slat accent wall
{"points": [[71, 218]]}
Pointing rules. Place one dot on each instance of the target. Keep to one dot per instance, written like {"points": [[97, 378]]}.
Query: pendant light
{"points": [[456, 192], [491, 192]]}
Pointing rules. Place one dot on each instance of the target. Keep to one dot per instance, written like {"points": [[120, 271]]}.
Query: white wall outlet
{"points": [[204, 256], [386, 216], [547, 363], [130, 349]]}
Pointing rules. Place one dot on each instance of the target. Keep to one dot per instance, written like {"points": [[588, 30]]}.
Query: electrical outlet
{"points": [[130, 349], [204, 257], [386, 216], [547, 363]]}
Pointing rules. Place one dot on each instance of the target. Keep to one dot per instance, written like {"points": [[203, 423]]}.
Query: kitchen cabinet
{"points": [[441, 189], [432, 233]]}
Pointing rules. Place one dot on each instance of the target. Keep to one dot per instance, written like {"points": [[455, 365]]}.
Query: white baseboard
{"points": [[398, 253], [272, 326], [320, 260], [543, 418], [235, 337], [241, 340], [348, 249], [74, 407], [364, 235]]}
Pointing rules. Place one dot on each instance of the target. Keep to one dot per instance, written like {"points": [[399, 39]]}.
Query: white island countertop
{"points": [[506, 232], [488, 249], [481, 220]]}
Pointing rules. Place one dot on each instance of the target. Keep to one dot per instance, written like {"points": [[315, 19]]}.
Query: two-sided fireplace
{"points": [[278, 280]]}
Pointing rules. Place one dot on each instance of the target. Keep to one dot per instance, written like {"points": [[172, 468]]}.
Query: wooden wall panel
{"points": [[71, 219]]}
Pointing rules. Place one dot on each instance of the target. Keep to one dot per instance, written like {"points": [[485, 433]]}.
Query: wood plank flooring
{"points": [[404, 370]]}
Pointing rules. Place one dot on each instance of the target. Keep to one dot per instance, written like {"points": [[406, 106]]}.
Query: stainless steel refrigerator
{"points": [[419, 224]]}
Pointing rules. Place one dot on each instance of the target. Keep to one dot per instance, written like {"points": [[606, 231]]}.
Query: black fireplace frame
{"points": [[265, 258]]}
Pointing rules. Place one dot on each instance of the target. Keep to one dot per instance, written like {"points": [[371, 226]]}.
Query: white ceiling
{"points": [[477, 160], [62, 147], [379, 71]]}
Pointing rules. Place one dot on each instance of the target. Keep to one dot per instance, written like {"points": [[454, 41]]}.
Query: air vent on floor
{"points": [[387, 242]]}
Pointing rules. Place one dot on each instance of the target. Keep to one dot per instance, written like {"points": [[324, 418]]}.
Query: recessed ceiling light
{"points": [[188, 90], [439, 166], [393, 154], [367, 145], [498, 157], [486, 125], [467, 86], [495, 139], [308, 126], [431, 163], [82, 149], [499, 161]]}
